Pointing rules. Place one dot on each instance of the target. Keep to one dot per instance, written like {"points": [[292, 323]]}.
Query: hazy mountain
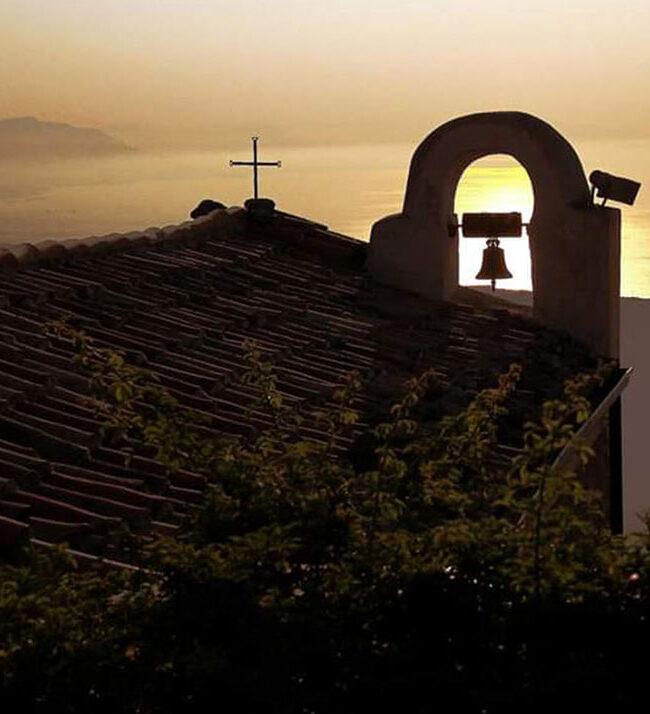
{"points": [[31, 138]]}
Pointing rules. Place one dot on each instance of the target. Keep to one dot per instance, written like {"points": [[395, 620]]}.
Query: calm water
{"points": [[346, 187]]}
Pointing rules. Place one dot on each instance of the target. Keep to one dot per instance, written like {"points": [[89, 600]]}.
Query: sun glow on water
{"points": [[347, 187]]}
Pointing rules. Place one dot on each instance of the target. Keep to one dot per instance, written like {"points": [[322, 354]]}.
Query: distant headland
{"points": [[33, 139]]}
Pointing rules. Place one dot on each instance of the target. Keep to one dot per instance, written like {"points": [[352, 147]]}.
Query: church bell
{"points": [[494, 265]]}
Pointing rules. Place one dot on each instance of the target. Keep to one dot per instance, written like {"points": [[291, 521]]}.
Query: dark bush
{"points": [[429, 579]]}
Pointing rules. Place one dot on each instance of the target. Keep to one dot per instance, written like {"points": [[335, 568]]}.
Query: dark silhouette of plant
{"points": [[304, 585]]}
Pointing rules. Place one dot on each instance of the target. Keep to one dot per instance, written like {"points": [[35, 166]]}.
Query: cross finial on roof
{"points": [[255, 163]]}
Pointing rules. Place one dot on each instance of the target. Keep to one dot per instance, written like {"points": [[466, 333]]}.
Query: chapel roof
{"points": [[182, 300]]}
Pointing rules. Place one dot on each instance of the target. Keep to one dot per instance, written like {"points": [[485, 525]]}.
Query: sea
{"points": [[346, 187]]}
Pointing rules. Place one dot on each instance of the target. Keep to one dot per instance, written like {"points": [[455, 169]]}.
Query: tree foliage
{"points": [[437, 574]]}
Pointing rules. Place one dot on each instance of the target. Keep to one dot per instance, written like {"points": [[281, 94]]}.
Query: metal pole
{"points": [[616, 467], [255, 167]]}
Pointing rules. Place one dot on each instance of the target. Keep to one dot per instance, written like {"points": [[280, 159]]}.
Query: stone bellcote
{"points": [[575, 245]]}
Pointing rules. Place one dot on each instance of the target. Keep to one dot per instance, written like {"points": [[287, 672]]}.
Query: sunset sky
{"points": [[192, 73], [315, 79]]}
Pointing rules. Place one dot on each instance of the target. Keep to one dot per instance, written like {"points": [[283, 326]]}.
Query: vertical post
{"points": [[255, 166], [616, 468]]}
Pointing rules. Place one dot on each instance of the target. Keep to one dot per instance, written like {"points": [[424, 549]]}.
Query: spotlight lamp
{"points": [[615, 188]]}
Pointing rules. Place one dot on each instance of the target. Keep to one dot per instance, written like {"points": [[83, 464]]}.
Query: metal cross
{"points": [[255, 163]]}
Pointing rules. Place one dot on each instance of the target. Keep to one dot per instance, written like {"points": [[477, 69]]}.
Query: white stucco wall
{"points": [[635, 352]]}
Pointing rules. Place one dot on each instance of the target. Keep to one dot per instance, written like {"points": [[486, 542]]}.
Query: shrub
{"points": [[435, 577]]}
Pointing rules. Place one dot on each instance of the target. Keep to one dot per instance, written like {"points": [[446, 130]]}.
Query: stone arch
{"points": [[575, 246]]}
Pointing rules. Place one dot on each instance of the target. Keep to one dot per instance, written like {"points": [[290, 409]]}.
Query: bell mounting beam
{"points": [[491, 225]]}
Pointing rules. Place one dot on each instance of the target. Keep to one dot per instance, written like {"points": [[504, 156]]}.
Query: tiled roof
{"points": [[182, 300]]}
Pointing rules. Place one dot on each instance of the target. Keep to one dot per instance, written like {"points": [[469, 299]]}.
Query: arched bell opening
{"points": [[496, 183], [575, 251]]}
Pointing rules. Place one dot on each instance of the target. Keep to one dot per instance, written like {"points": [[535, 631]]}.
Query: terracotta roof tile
{"points": [[182, 300]]}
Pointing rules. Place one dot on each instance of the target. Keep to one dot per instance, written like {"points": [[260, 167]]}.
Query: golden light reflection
{"points": [[495, 184], [635, 254]]}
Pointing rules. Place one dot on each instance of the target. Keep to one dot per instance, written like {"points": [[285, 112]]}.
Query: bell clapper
{"points": [[495, 243]]}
